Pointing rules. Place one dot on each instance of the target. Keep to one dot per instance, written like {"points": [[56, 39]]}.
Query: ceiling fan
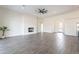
{"points": [[42, 10], [39, 10]]}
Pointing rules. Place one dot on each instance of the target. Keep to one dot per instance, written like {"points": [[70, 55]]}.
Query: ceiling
{"points": [[52, 9]]}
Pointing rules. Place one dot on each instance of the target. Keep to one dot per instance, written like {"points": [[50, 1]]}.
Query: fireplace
{"points": [[31, 29]]}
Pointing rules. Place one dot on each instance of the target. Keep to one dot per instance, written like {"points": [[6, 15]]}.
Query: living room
{"points": [[39, 29]]}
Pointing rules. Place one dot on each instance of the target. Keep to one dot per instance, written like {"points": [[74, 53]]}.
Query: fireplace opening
{"points": [[31, 29]]}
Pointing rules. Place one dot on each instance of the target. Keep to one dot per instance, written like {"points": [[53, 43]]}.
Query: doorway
{"points": [[77, 29], [42, 27]]}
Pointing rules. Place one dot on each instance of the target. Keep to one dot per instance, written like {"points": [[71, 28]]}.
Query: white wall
{"points": [[69, 22], [16, 22], [30, 21], [39, 22], [48, 25], [71, 26], [51, 24]]}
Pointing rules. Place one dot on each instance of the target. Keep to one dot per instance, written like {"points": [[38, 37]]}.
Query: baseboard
{"points": [[21, 35], [30, 33]]}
